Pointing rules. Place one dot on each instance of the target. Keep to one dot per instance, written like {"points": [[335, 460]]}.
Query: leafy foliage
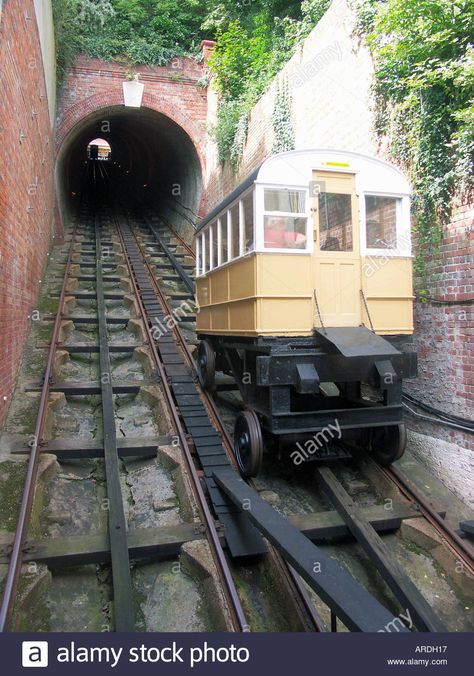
{"points": [[232, 116], [282, 123], [252, 47], [138, 31], [424, 85], [147, 31], [71, 19], [254, 40]]}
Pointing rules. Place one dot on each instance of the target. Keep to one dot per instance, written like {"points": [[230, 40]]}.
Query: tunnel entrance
{"points": [[151, 161], [99, 149]]}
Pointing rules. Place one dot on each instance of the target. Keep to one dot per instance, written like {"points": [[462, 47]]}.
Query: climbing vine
{"points": [[284, 135], [254, 41], [424, 90], [252, 47]]}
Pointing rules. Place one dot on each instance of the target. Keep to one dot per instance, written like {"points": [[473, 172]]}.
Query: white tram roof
{"points": [[295, 168]]}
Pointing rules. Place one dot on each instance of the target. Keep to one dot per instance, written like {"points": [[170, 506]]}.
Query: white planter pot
{"points": [[133, 93]]}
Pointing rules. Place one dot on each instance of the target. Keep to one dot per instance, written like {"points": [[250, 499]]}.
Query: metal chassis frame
{"points": [[269, 374]]}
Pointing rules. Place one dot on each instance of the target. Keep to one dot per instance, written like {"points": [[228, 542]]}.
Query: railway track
{"points": [[13, 574], [203, 439], [95, 247], [306, 609], [462, 551], [92, 252], [142, 283]]}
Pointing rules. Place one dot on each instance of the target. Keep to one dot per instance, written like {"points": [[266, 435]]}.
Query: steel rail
{"points": [[14, 566], [185, 278], [315, 621], [172, 230], [451, 538], [238, 616]]}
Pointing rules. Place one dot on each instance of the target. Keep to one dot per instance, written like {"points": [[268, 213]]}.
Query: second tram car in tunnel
{"points": [[303, 284]]}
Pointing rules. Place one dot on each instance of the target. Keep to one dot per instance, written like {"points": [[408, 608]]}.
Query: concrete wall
{"points": [[26, 179], [329, 79], [44, 19]]}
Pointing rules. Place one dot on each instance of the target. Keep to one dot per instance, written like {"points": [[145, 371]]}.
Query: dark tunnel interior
{"points": [[152, 162]]}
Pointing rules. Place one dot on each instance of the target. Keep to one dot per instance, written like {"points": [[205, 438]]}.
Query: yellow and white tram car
{"points": [[303, 284]]}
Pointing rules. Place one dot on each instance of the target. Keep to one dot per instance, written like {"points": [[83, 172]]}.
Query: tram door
{"points": [[336, 256]]}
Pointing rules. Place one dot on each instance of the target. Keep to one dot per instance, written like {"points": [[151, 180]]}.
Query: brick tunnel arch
{"points": [[156, 155]]}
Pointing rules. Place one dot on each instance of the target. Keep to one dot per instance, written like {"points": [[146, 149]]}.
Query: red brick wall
{"points": [[26, 183], [444, 328], [173, 90]]}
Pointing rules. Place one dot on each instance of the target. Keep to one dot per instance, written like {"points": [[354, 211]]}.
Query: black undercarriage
{"points": [[307, 393]]}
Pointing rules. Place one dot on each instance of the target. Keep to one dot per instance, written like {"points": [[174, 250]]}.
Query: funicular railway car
{"points": [[304, 285]]}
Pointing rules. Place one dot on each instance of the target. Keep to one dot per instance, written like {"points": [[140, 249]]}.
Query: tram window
{"points": [[234, 218], [249, 236], [213, 245], [335, 221], [281, 229], [223, 254], [287, 201], [284, 232], [381, 221]]}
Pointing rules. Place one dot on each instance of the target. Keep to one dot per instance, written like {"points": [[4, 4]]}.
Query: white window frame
{"points": [[243, 222], [403, 226], [198, 256], [229, 236], [203, 250], [241, 228], [259, 208], [211, 245], [224, 220], [236, 202], [219, 242]]}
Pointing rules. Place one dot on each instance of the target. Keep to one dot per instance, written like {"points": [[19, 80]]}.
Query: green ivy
{"points": [[147, 32], [252, 48], [254, 41], [284, 138], [424, 88], [71, 20], [229, 114]]}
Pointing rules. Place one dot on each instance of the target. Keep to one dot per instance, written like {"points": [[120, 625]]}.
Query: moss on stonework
{"points": [[12, 479], [47, 304], [23, 419], [33, 587]]}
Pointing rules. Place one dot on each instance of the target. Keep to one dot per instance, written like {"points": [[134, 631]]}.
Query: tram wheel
{"points": [[388, 443], [206, 365], [248, 443]]}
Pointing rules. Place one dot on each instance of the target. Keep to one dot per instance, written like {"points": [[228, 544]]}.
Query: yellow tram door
{"points": [[336, 253]]}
